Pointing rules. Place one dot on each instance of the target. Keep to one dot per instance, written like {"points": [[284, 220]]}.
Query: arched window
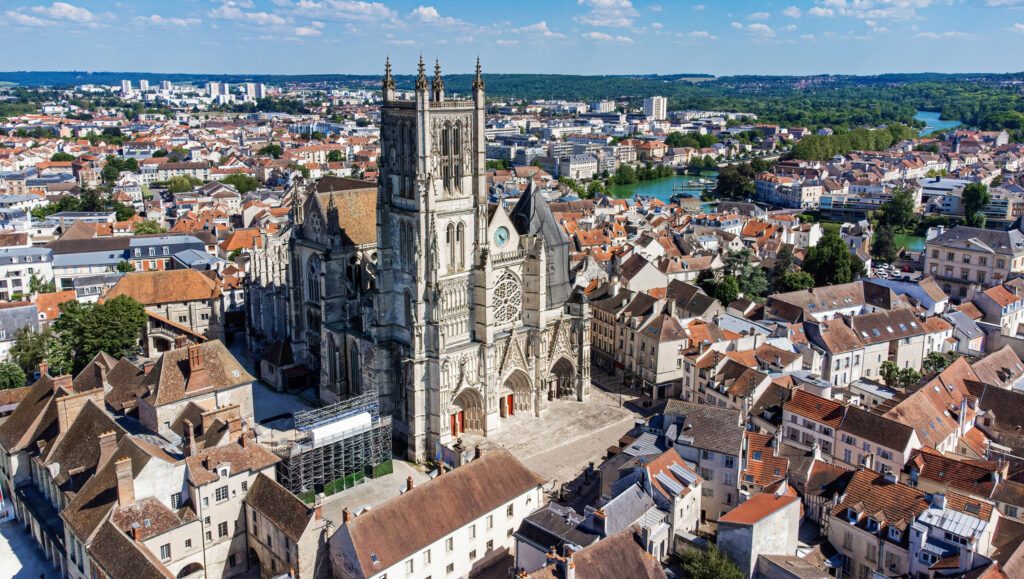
{"points": [[332, 362], [451, 240], [313, 279], [408, 310], [460, 241]]}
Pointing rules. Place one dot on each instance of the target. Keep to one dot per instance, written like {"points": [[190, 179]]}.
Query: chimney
{"points": [[108, 441], [68, 408], [409, 484], [477, 452], [137, 532], [125, 482], [441, 468], [180, 342], [147, 367], [346, 516], [234, 425], [62, 382], [195, 358], [318, 512], [101, 375], [187, 438], [570, 565], [44, 368], [600, 519]]}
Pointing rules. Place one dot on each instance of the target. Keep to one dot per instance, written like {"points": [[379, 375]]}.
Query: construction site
{"points": [[335, 447]]}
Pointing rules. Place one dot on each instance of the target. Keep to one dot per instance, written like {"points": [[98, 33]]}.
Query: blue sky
{"points": [[551, 36]]}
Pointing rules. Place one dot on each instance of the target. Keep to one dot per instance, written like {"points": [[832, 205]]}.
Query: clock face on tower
{"points": [[501, 236]]}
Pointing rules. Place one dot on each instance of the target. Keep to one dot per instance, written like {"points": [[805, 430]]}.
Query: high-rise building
{"points": [[126, 87], [255, 90], [143, 85], [165, 85], [656, 108], [602, 106], [214, 88]]}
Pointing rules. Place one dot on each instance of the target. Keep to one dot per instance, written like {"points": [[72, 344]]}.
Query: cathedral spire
{"points": [[478, 81], [421, 78], [388, 85], [438, 81]]}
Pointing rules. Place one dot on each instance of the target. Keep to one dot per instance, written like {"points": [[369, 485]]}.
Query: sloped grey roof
{"points": [[532, 216]]}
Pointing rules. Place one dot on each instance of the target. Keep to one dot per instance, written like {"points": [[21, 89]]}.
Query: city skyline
{"points": [[797, 37]]}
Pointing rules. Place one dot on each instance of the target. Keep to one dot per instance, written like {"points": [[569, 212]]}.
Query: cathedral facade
{"points": [[459, 313]]}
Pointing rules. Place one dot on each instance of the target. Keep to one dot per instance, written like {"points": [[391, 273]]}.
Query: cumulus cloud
{"points": [[506, 42], [759, 16], [539, 28], [698, 7], [1017, 27], [345, 10], [602, 37], [697, 35], [430, 15], [949, 34], [822, 12], [607, 13], [168, 21], [791, 12], [232, 10], [56, 14]]}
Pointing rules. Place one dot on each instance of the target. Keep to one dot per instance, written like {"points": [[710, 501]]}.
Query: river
{"points": [[933, 122], [663, 188]]}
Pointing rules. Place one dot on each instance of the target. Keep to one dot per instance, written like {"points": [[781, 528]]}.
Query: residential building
{"points": [[811, 421], [656, 108], [765, 524], [966, 256]]}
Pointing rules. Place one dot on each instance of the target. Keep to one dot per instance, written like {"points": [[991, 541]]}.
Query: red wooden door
{"points": [[511, 408]]}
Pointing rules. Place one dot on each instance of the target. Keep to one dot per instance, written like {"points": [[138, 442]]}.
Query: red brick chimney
{"points": [[318, 512], [108, 442], [44, 368], [187, 438], [195, 358], [125, 482], [137, 534], [62, 382], [409, 484], [346, 516]]}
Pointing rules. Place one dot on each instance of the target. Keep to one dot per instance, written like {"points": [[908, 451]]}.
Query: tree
{"points": [[709, 564], [890, 373], [883, 246], [11, 376], [898, 213], [909, 377], [792, 281], [935, 362], [273, 150], [182, 184], [830, 261], [975, 198], [37, 285], [624, 175], [122, 212], [335, 156], [727, 290], [113, 327], [732, 182], [242, 183], [61, 156], [30, 348], [147, 227], [735, 260], [302, 169], [110, 173], [125, 266], [783, 261]]}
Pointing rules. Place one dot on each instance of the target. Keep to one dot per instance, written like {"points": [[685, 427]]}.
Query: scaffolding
{"points": [[351, 450]]}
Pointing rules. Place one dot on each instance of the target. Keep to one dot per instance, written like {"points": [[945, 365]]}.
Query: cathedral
{"points": [[458, 312]]}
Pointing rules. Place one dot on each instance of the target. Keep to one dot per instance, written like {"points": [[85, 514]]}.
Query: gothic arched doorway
{"points": [[520, 398], [563, 379], [467, 412]]}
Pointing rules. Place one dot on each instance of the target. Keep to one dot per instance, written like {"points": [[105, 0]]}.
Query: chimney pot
{"points": [[137, 534], [195, 358], [409, 484], [318, 512], [346, 515]]}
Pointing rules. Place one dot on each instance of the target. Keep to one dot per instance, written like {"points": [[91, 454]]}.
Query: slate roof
{"points": [[74, 457], [712, 428], [987, 240], [404, 525], [532, 216], [555, 526], [120, 556]]}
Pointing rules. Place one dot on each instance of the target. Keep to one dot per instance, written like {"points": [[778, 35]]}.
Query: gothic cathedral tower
{"points": [[464, 293]]}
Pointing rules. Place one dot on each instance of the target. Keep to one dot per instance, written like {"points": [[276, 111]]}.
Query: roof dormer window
{"points": [[852, 515], [872, 525], [895, 534]]}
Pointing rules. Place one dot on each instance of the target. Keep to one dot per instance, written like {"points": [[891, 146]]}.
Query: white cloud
{"points": [[655, 8], [657, 26], [64, 11], [607, 13], [737, 25], [697, 35], [231, 10], [506, 42], [792, 12], [949, 34], [788, 28], [430, 15], [307, 31], [539, 28], [698, 7], [345, 10], [874, 9], [602, 37], [759, 16], [822, 12], [169, 21], [1017, 27], [760, 30], [398, 42], [807, 37]]}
